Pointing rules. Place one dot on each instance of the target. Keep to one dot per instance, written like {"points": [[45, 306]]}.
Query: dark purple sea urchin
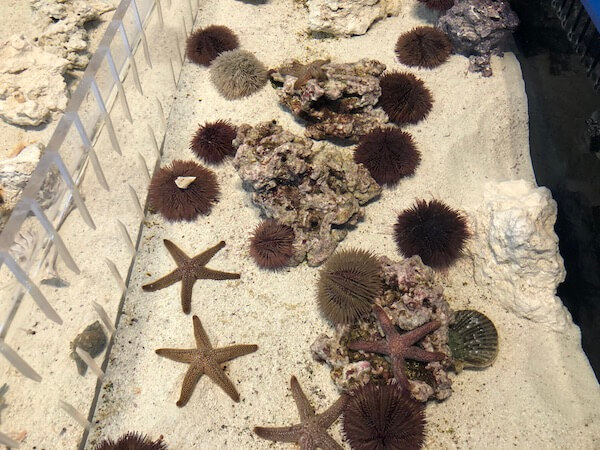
{"points": [[348, 285], [383, 418], [439, 5], [132, 441], [199, 191], [212, 141], [404, 97], [272, 244], [389, 154], [206, 44], [434, 231], [426, 47]]}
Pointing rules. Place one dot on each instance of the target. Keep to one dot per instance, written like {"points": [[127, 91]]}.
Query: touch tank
{"points": [[247, 200]]}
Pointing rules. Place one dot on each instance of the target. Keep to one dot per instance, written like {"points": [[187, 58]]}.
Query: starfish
{"points": [[311, 432], [399, 347], [204, 359], [304, 72], [188, 271]]}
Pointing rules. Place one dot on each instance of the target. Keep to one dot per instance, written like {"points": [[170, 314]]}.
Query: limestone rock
{"points": [[336, 100], [319, 192], [479, 29], [31, 82], [59, 27], [348, 17], [515, 251]]}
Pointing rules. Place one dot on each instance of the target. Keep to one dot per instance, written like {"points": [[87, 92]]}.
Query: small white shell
{"points": [[184, 182]]}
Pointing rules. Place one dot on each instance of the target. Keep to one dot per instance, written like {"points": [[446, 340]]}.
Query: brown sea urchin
{"points": [[404, 97], [132, 441], [272, 244], [432, 230], [204, 45], [237, 74], [425, 47], [348, 285], [383, 417], [183, 190], [389, 154], [439, 5], [212, 141]]}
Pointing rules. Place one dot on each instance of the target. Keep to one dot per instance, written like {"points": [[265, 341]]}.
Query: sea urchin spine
{"points": [[272, 244]]}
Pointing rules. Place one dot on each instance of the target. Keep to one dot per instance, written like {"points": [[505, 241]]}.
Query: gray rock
{"points": [[479, 29], [318, 191]]}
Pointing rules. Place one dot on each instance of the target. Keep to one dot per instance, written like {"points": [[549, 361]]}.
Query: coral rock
{"points": [[348, 17], [515, 251], [319, 192], [479, 29], [336, 100]]}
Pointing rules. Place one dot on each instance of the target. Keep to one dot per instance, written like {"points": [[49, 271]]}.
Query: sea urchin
{"points": [[439, 5], [272, 244], [434, 231], [206, 44], [426, 47], [237, 74], [132, 441], [183, 190], [212, 141], [388, 153], [404, 97], [383, 417], [348, 285]]}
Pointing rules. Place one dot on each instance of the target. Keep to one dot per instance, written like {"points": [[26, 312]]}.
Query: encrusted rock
{"points": [[479, 29], [59, 27], [32, 86], [348, 17], [515, 251], [336, 100], [410, 298], [318, 191]]}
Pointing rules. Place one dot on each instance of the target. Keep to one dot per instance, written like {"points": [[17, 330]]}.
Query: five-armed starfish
{"points": [[399, 346], [311, 432], [204, 359], [188, 271]]}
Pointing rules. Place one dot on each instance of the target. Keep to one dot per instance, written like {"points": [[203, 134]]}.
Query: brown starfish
{"points": [[204, 359], [399, 347], [311, 432], [188, 271], [304, 72]]}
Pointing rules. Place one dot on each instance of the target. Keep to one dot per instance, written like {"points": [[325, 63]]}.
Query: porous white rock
{"points": [[32, 85], [348, 17], [515, 251]]}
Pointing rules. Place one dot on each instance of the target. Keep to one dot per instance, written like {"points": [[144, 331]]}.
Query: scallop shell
{"points": [[473, 340]]}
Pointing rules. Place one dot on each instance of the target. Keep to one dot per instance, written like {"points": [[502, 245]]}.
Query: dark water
{"points": [[561, 98]]}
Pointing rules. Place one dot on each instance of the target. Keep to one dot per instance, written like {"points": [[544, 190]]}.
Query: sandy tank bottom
{"points": [[540, 392]]}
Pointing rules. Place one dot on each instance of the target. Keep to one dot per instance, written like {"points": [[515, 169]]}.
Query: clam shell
{"points": [[473, 339]]}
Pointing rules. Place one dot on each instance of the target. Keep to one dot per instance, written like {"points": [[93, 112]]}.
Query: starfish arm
{"points": [[399, 369], [190, 380], [177, 254], [177, 354], [209, 274], [304, 408], [187, 286], [326, 418], [202, 340], [386, 323], [203, 258], [418, 354], [326, 442], [228, 353], [307, 442], [163, 282], [379, 346], [412, 336], [280, 434], [218, 376]]}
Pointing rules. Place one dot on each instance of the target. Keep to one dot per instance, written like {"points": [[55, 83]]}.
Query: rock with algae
{"points": [[411, 298], [317, 190], [336, 100]]}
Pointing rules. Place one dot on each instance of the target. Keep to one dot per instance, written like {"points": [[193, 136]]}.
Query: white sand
{"points": [[540, 393]]}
